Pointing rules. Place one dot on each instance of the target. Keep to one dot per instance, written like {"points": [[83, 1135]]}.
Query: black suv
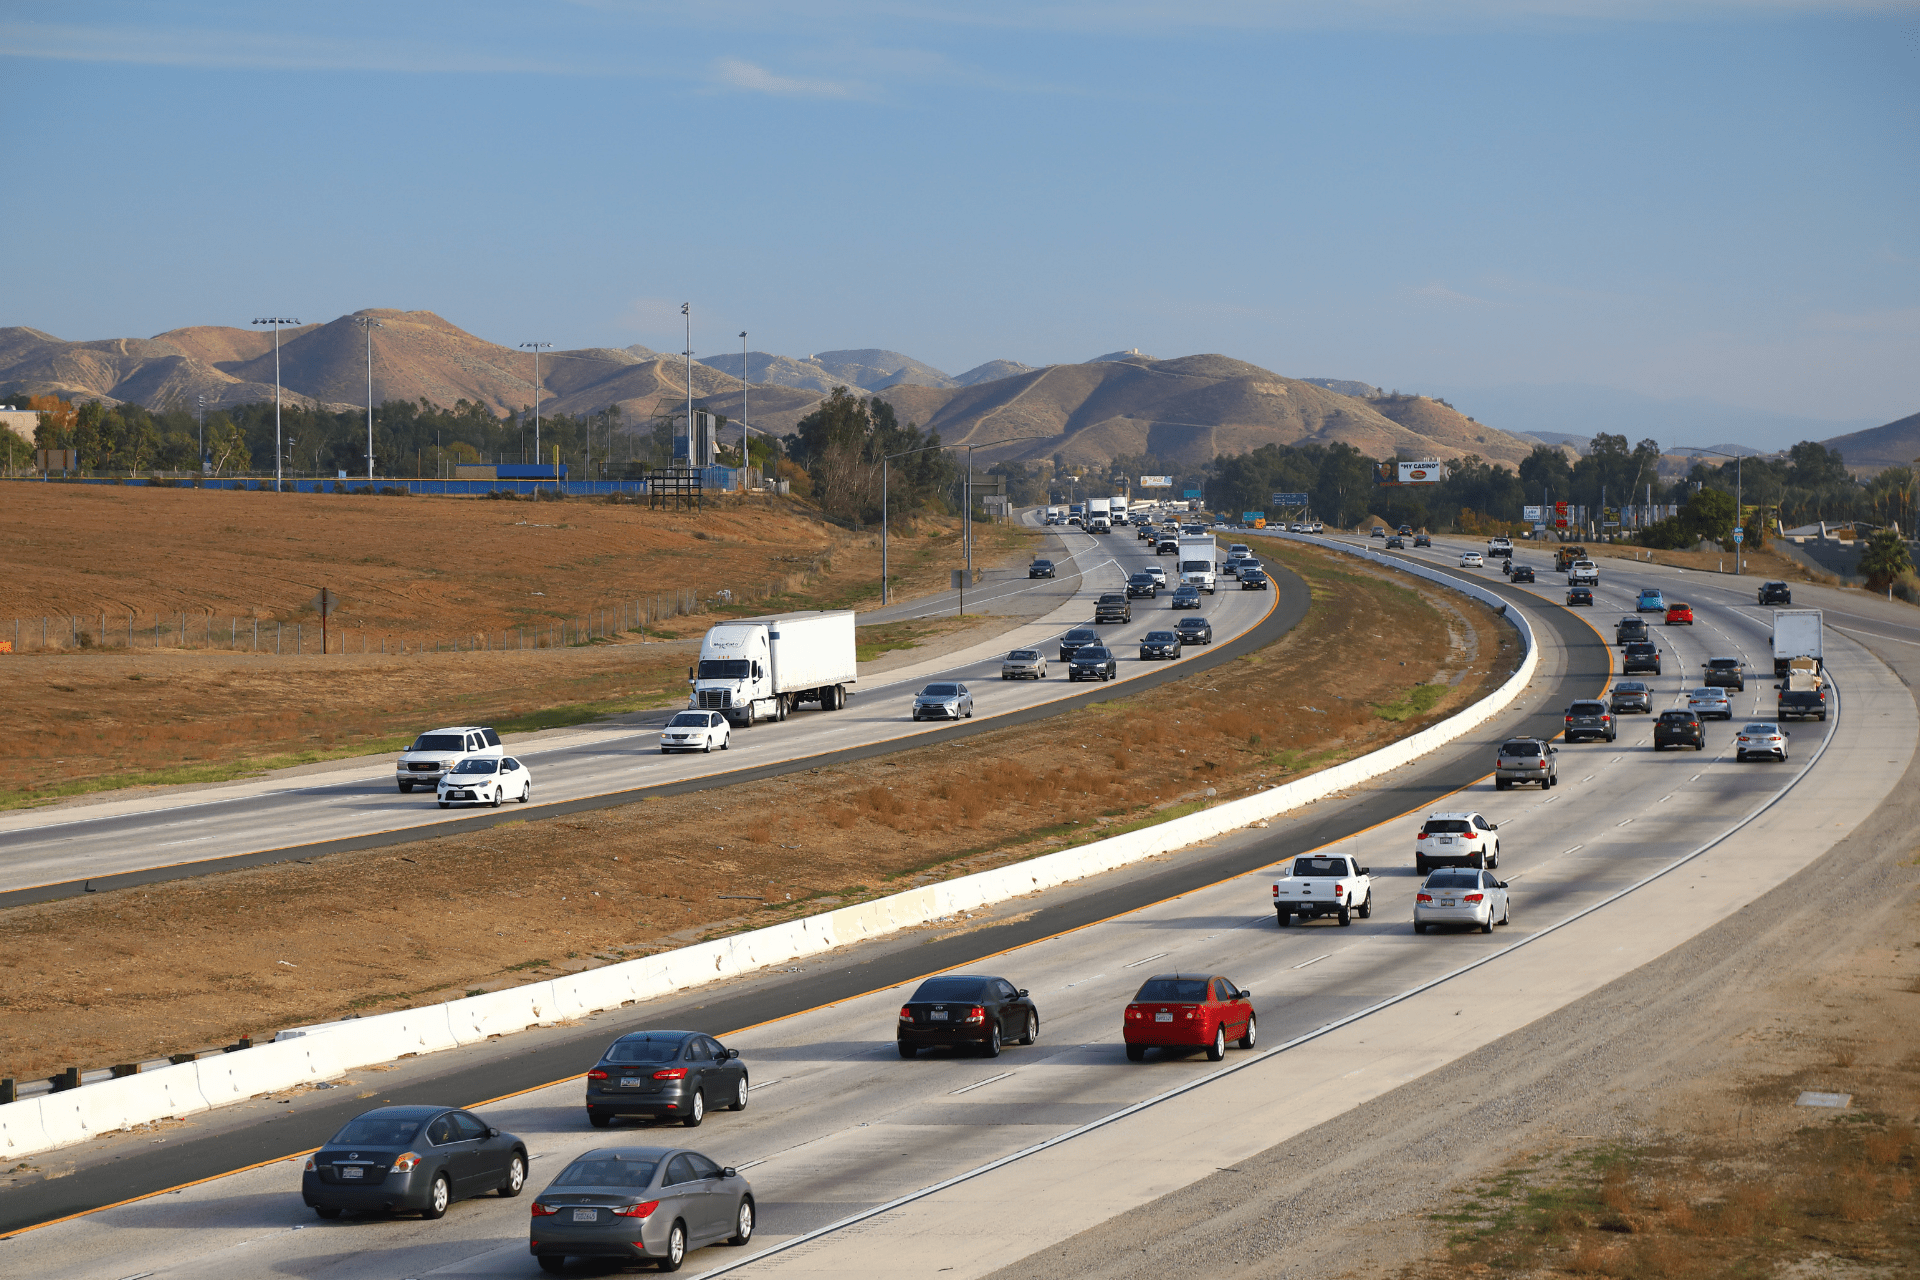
{"points": [[1725, 673], [1640, 655], [1679, 729], [1092, 662], [1395, 543], [1775, 593], [1143, 584], [1589, 719], [1113, 607], [1632, 628], [1194, 631], [1630, 695], [1076, 640]]}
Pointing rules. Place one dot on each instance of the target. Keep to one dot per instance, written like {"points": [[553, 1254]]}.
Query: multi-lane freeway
{"points": [[1630, 855]]}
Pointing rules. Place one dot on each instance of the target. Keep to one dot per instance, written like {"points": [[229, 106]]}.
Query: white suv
{"points": [[435, 753], [1456, 840]]}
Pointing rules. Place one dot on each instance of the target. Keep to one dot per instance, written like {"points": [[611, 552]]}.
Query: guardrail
{"points": [[312, 1054]]}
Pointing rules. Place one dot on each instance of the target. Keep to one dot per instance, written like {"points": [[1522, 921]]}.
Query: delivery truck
{"points": [[1197, 552], [761, 668], [1796, 634]]}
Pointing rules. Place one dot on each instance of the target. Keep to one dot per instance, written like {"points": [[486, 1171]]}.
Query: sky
{"points": [[1690, 201]]}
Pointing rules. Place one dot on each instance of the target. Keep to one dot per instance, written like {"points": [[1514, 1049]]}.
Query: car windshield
{"points": [[1764, 729], [608, 1171], [1187, 590], [1142, 576], [1173, 989], [689, 720], [1678, 605], [1319, 866], [1080, 636], [1723, 664], [936, 989], [439, 742], [940, 691], [477, 766], [725, 669], [1707, 695], [644, 1049], [1629, 686], [378, 1131], [1093, 653], [1023, 655], [1454, 880], [1677, 717], [1043, 564], [1640, 648], [1587, 709], [1191, 624], [1519, 748], [1161, 636], [1448, 826]]}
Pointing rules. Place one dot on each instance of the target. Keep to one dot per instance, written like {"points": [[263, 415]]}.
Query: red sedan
{"points": [[1186, 1011], [1679, 612]]}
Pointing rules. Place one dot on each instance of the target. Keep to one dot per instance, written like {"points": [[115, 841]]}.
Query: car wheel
{"points": [[696, 1110], [742, 1224], [709, 747], [327, 1211], [907, 1050], [1419, 926], [1033, 1028], [1346, 914], [1366, 908], [676, 1248], [991, 1048], [598, 1119], [1486, 926], [516, 1176], [1739, 757], [552, 1264], [1419, 865], [1553, 780], [1136, 1053], [1501, 784], [665, 752], [526, 792], [1252, 1034], [740, 1094], [1218, 1049], [446, 804], [406, 788], [1285, 918], [1506, 912], [439, 1196], [497, 797]]}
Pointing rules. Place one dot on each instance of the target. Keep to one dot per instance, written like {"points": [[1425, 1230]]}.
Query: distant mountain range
{"points": [[1183, 410]]}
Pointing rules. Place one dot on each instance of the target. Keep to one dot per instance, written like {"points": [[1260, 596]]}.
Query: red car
{"points": [[1186, 1011], [1678, 612]]}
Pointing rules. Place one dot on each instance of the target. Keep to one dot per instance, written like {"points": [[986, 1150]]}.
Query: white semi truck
{"points": [[1196, 560], [761, 668], [1796, 634]]}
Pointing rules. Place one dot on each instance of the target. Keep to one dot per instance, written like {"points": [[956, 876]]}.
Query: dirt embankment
{"points": [[123, 976]]}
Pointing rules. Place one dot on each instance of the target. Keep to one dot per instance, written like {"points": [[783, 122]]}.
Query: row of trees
{"points": [[850, 447]]}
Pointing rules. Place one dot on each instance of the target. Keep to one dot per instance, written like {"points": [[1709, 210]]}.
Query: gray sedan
{"points": [[639, 1204], [1024, 664], [411, 1160]]}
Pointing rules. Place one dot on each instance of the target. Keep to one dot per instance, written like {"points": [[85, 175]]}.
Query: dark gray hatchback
{"points": [[665, 1075], [411, 1160], [639, 1204]]}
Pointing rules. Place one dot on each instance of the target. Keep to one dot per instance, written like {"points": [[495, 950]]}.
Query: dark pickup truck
{"points": [[1801, 704], [1640, 655], [1589, 719]]}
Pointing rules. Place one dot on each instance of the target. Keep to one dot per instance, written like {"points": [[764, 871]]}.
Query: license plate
{"points": [[938, 1015], [1446, 902], [1446, 839], [1163, 1017], [629, 1082], [353, 1171], [586, 1215]]}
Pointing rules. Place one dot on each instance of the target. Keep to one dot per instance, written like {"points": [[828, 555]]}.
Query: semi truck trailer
{"points": [[762, 668]]}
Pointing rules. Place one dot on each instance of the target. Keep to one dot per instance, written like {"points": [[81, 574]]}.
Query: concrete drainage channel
{"points": [[309, 1056]]}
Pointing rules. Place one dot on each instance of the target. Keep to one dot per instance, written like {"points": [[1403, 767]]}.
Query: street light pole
{"points": [[203, 433], [537, 348], [368, 324], [746, 459], [276, 322], [694, 457]]}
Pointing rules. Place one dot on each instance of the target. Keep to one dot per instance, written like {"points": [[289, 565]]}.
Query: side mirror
{"points": [[1503, 884], [1366, 871], [689, 675], [493, 1133], [1246, 993], [1022, 992], [1493, 826], [729, 1172], [733, 1053]]}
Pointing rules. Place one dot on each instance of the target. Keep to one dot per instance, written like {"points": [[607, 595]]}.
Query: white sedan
{"points": [[1760, 739], [696, 731], [480, 780], [1710, 702], [1461, 895], [1472, 560]]}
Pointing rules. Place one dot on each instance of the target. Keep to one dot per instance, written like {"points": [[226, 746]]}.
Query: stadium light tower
{"points": [[367, 325], [276, 322], [537, 348]]}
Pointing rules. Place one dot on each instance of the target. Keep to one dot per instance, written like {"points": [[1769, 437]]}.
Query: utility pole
{"points": [[203, 434], [746, 459], [537, 348], [368, 324], [693, 435], [276, 322]]}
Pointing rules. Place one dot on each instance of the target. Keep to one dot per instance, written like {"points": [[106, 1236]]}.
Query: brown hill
{"points": [[1894, 445]]}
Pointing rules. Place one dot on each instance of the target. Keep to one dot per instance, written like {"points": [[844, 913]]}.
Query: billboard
{"points": [[1561, 514], [1156, 482], [1531, 513], [1289, 499], [1425, 472]]}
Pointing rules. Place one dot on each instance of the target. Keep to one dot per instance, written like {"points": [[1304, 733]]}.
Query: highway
{"points": [[116, 843], [840, 1127]]}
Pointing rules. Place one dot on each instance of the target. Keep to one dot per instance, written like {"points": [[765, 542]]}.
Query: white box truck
{"points": [[1196, 560], [1796, 634], [761, 668]]}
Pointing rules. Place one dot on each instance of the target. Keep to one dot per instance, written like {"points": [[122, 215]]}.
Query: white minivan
{"points": [[434, 754]]}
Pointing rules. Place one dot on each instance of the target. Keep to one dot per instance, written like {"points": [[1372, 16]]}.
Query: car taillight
{"points": [[671, 1073], [975, 1014], [1540, 764], [1473, 835], [1421, 836], [1276, 891], [906, 1014], [596, 1074], [1423, 897], [311, 1166], [543, 1211], [1133, 1011], [406, 1163], [1569, 719], [1604, 719], [636, 1210], [1474, 897]]}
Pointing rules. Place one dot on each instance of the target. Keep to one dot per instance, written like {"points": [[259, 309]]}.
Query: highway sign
{"points": [[1248, 517], [1156, 482], [1194, 493], [1739, 536], [1289, 499], [325, 604]]}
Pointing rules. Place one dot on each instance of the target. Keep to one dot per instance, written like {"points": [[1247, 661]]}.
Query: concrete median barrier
{"points": [[266, 1068], [500, 1013]]}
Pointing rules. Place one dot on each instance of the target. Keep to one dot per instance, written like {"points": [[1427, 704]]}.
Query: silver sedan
{"points": [[943, 702], [1461, 895], [640, 1204], [1760, 739], [1024, 664]]}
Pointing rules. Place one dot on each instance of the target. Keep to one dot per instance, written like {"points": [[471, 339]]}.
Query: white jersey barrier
{"points": [[311, 1054]]}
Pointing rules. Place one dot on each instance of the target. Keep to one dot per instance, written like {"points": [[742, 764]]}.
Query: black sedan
{"points": [[1679, 729], [1160, 644], [639, 1204], [1253, 579], [1521, 573], [1579, 596], [967, 1011], [665, 1075], [412, 1160], [1186, 596], [1422, 540], [1113, 607], [1143, 584], [1396, 543], [1076, 640], [1093, 662], [1194, 631], [1040, 569]]}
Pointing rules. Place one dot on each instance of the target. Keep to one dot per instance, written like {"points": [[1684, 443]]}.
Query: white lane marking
{"points": [[1082, 982], [1316, 960], [1663, 799], [1694, 778], [764, 1084], [171, 843], [1622, 824], [977, 1084], [1588, 778], [1158, 955], [1577, 848]]}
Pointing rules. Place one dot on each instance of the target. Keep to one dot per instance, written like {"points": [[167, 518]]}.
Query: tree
{"points": [[1546, 475], [1709, 514], [226, 444], [1885, 559], [841, 445]]}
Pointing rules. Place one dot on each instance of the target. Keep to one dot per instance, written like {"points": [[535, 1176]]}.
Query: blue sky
{"points": [[1713, 200]]}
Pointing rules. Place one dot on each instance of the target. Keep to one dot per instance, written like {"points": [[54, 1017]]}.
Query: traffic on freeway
{"points": [[840, 1122]]}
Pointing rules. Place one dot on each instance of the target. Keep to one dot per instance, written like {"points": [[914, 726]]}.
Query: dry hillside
{"points": [[1894, 445]]}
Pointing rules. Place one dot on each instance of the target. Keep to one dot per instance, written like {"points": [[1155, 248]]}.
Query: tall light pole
{"points": [[203, 434], [276, 322], [693, 436], [537, 348], [367, 325], [1739, 505], [745, 458]]}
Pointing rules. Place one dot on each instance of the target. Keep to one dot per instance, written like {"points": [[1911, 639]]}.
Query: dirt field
{"points": [[142, 972]]}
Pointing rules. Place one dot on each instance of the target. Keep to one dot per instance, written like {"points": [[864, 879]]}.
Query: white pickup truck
{"points": [[1583, 573], [1323, 885]]}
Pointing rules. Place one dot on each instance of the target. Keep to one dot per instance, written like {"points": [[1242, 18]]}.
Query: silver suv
{"points": [[1526, 760], [435, 753]]}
